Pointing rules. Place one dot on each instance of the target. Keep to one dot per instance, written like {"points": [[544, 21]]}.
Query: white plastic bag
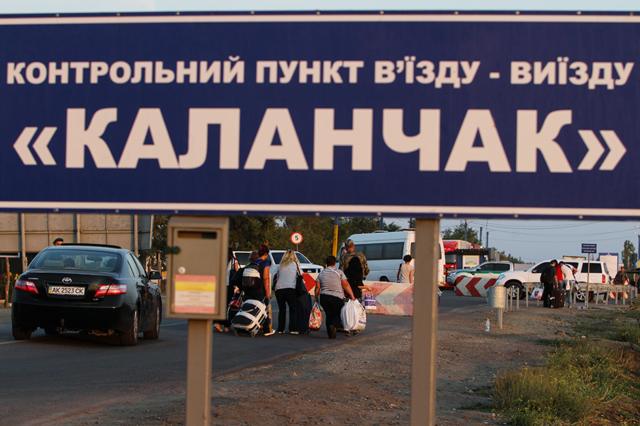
{"points": [[354, 316], [536, 294]]}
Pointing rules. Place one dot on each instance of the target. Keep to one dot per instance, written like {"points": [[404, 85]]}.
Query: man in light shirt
{"points": [[568, 279]]}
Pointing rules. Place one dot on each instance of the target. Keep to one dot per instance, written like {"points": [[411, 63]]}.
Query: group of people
{"points": [[333, 286], [252, 281], [557, 276], [560, 275]]}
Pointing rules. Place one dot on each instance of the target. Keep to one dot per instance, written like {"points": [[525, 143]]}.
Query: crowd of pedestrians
{"points": [[334, 285], [559, 283]]}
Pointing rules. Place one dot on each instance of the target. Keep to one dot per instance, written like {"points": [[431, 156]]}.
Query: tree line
{"points": [[248, 232]]}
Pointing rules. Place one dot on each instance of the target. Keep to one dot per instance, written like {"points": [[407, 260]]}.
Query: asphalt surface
{"points": [[47, 379]]}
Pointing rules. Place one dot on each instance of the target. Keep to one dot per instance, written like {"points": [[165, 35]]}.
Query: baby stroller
{"points": [[249, 319]]}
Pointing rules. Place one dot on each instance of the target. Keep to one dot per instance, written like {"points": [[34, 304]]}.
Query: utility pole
{"points": [[481, 236], [334, 246], [466, 230], [487, 242]]}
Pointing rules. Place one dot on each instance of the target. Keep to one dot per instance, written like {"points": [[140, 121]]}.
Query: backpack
{"points": [[252, 276]]}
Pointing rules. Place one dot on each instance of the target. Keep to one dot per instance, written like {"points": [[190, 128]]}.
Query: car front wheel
{"points": [[130, 336]]}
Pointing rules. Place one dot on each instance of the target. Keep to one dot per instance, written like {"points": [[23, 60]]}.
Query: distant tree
{"points": [[629, 255], [316, 231], [509, 258], [461, 232], [159, 237], [392, 227], [248, 232], [357, 225]]}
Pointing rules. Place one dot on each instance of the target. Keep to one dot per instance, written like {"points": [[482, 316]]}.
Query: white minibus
{"points": [[385, 250]]}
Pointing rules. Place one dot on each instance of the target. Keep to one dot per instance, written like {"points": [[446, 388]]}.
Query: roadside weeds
{"points": [[590, 379]]}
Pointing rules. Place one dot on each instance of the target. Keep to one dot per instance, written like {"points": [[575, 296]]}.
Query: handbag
{"points": [[236, 301], [315, 319], [301, 289], [370, 302]]}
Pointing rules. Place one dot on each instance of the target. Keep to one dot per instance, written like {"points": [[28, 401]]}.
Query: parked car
{"points": [[598, 274], [103, 290], [487, 268]]}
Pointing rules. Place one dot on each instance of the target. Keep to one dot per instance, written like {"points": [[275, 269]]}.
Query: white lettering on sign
{"points": [[277, 140], [226, 71], [478, 123], [562, 72], [411, 70], [276, 121]]}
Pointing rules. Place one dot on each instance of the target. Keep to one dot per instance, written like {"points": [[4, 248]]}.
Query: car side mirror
{"points": [[155, 275]]}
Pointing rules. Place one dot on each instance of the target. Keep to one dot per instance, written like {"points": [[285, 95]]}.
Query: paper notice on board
{"points": [[195, 294]]}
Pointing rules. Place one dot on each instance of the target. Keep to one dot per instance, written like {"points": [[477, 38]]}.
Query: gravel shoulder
{"points": [[365, 380]]}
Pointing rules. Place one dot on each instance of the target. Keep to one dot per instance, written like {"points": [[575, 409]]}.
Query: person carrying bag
{"points": [[332, 285], [286, 290]]}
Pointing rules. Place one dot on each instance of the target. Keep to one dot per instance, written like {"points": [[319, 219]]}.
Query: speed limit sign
{"points": [[296, 238]]}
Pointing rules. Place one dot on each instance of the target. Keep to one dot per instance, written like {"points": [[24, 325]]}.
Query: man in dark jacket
{"points": [[355, 267], [549, 281]]}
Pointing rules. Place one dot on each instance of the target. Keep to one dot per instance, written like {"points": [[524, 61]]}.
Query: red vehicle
{"points": [[451, 258]]}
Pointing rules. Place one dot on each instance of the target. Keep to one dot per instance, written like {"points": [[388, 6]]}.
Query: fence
{"points": [[582, 293]]}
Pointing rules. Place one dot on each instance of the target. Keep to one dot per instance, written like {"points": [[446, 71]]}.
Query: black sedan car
{"points": [[102, 290]]}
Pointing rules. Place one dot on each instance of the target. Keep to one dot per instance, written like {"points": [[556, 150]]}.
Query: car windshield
{"points": [[243, 257], [277, 257], [77, 260], [301, 258]]}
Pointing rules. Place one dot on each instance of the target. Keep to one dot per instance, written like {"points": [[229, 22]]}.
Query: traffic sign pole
{"points": [[199, 355], [425, 323]]}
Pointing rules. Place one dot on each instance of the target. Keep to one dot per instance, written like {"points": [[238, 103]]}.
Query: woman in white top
{"points": [[405, 271], [286, 291]]}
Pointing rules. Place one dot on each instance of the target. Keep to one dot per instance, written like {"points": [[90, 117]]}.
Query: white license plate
{"points": [[65, 290]]}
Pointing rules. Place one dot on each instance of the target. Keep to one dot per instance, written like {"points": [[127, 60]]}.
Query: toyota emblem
{"points": [[66, 280]]}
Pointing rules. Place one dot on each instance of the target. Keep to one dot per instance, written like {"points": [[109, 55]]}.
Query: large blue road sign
{"points": [[404, 114]]}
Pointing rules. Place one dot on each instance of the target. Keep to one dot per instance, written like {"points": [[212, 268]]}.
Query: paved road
{"points": [[58, 375]]}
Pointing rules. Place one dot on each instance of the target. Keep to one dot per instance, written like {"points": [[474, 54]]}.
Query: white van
{"points": [[385, 250]]}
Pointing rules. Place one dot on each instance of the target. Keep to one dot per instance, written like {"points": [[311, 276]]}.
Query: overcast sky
{"points": [[531, 240]]}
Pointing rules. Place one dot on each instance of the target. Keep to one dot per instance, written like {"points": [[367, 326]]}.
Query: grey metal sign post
{"points": [[589, 249]]}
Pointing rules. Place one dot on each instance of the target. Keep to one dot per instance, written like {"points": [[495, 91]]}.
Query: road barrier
{"points": [[606, 294], [473, 286], [391, 298]]}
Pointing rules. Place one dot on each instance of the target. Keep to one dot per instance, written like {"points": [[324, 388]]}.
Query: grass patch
{"points": [[582, 382], [618, 325]]}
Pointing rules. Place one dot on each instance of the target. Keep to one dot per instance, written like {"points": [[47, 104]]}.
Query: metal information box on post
{"points": [[197, 291]]}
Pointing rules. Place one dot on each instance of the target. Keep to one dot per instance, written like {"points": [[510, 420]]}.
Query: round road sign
{"points": [[296, 238]]}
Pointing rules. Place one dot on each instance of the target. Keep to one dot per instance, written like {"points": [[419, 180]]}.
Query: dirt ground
{"points": [[367, 379]]}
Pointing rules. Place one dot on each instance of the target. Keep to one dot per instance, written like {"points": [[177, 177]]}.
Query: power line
{"points": [[630, 230], [505, 226]]}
